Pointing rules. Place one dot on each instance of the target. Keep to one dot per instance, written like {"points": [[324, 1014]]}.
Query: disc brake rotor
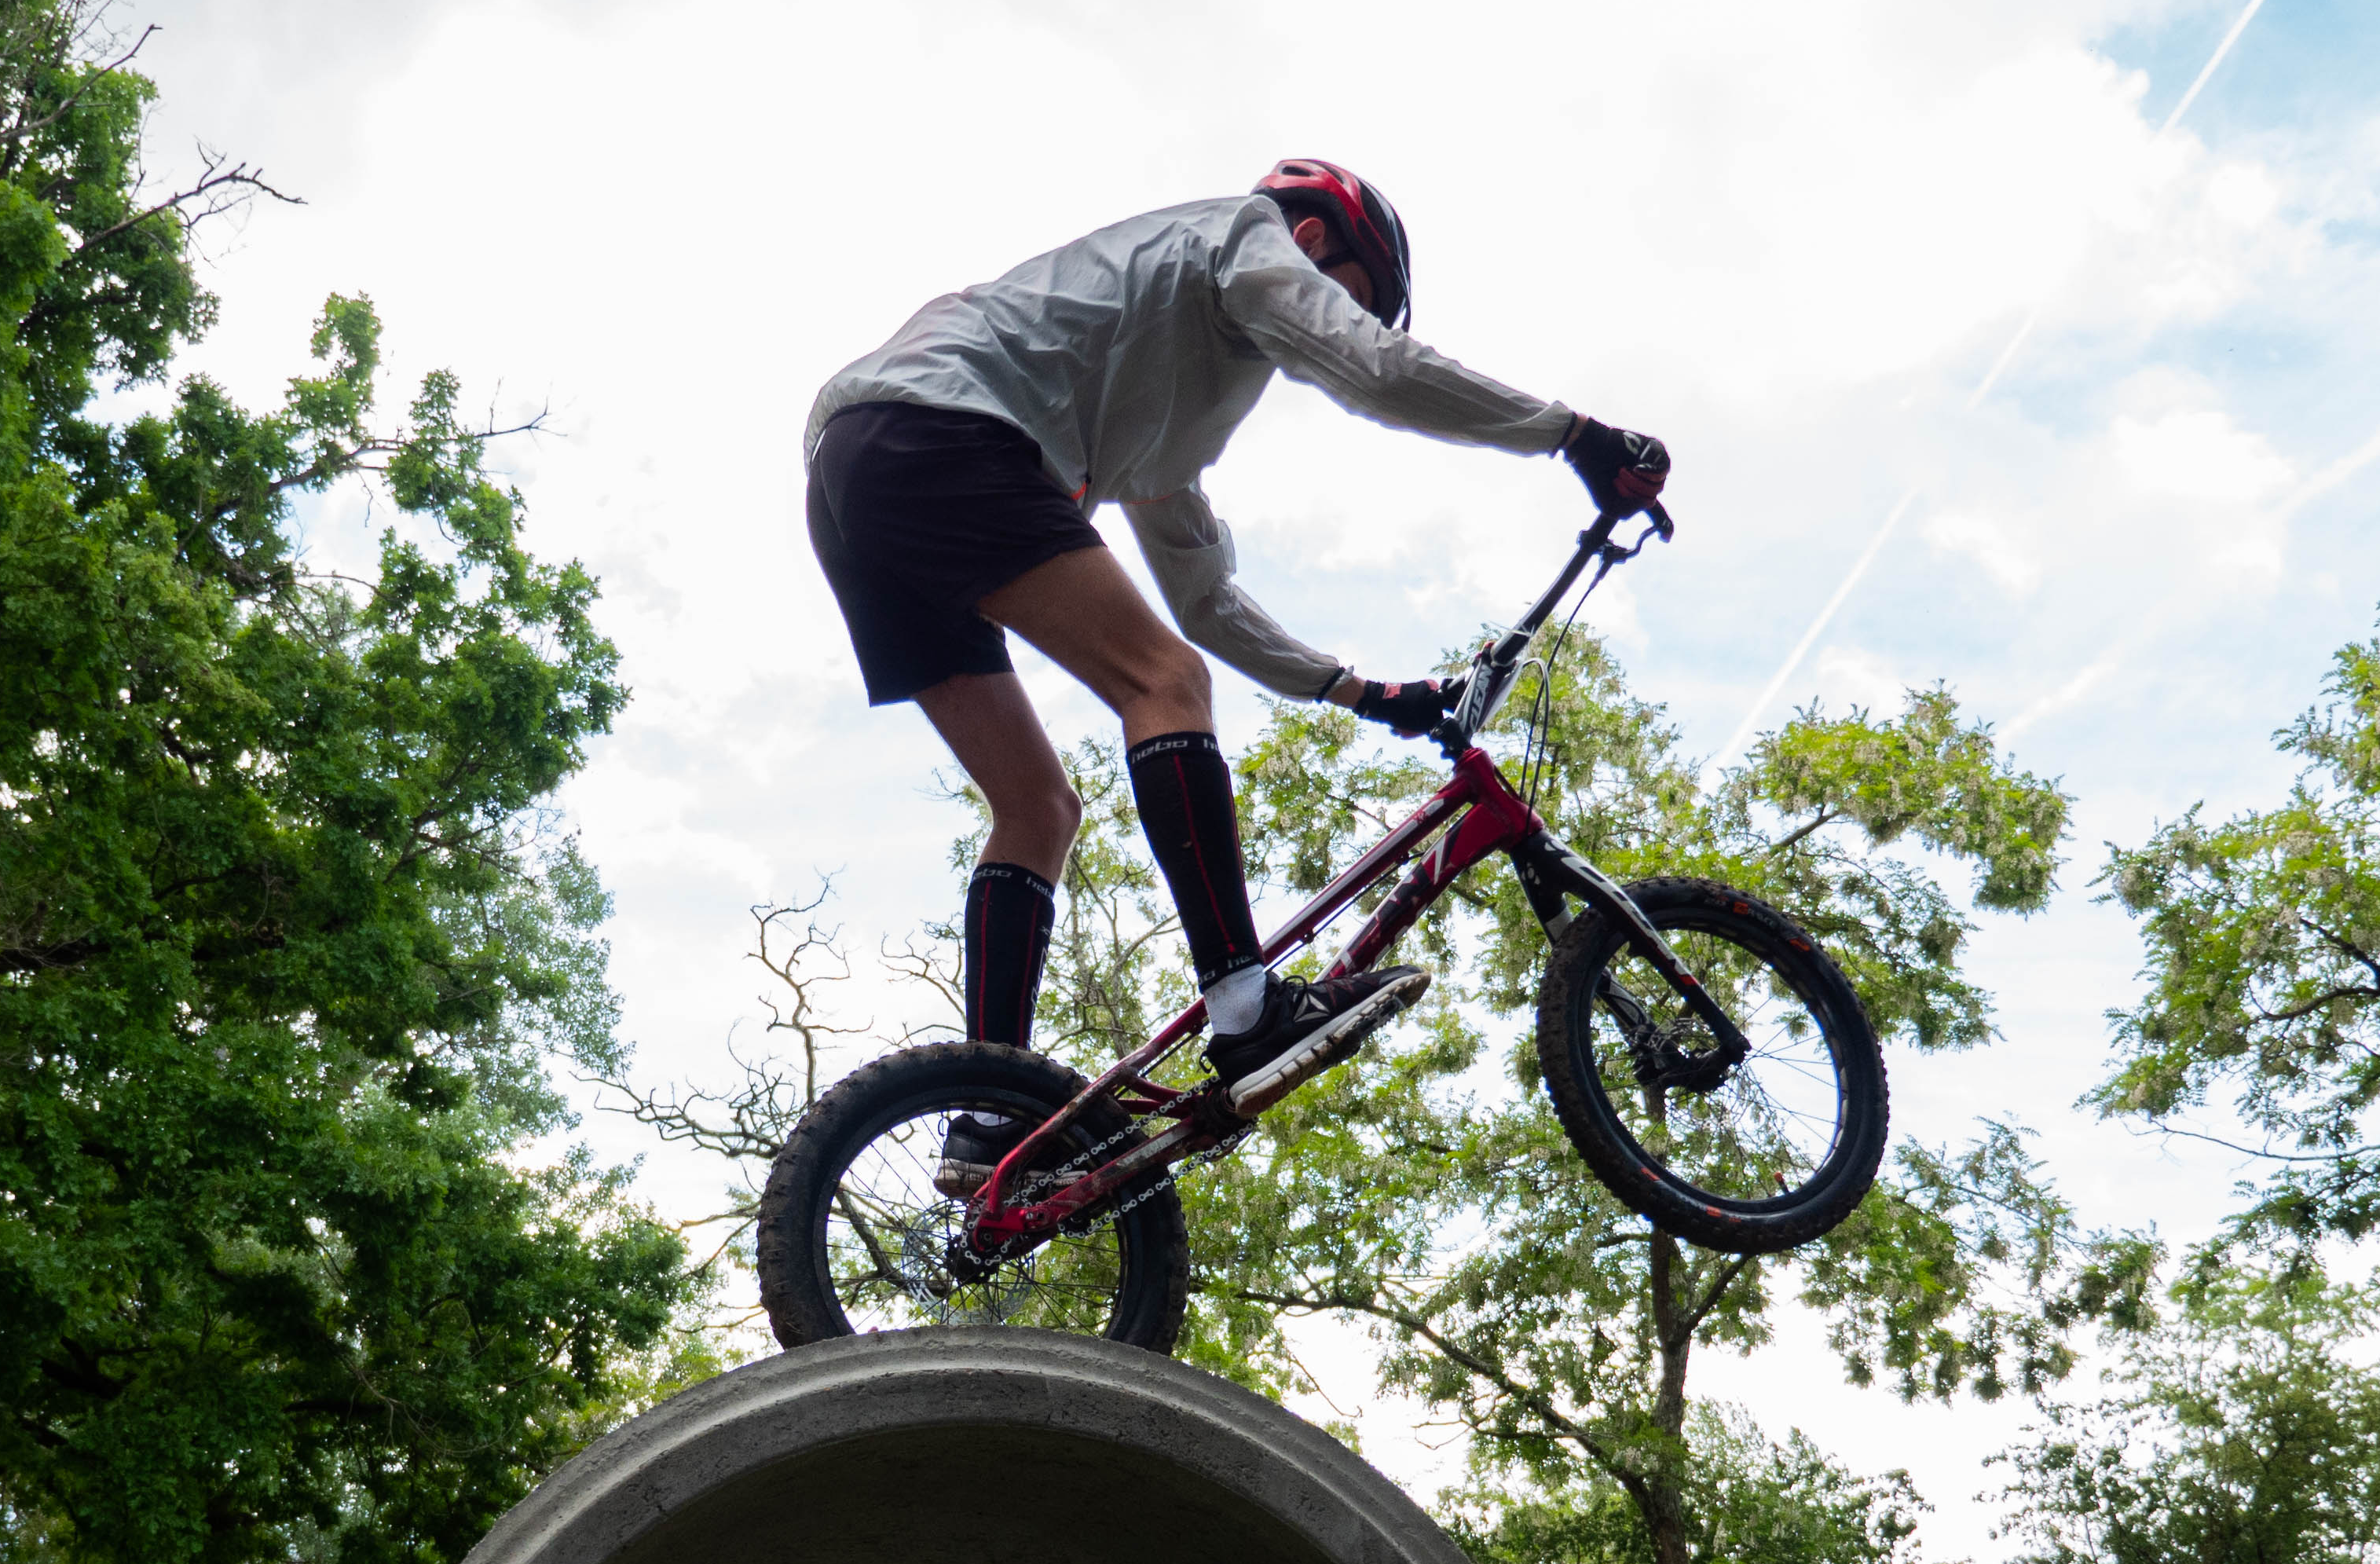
{"points": [[924, 1241]]}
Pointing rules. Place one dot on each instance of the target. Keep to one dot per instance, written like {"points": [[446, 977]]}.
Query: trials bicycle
{"points": [[1707, 1059]]}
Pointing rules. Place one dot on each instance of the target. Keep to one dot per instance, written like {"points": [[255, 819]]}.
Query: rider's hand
{"points": [[1621, 468], [1411, 708]]}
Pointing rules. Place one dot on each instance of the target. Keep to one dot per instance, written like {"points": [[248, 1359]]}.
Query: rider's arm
{"points": [[1316, 332], [1189, 552]]}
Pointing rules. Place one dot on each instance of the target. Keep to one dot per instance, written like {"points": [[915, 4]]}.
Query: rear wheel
{"points": [[1752, 1157], [854, 1236]]}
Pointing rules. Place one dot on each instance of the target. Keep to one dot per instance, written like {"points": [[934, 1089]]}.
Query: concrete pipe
{"points": [[981, 1443]]}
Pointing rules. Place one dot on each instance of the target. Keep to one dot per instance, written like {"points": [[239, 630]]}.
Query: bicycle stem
{"points": [[1590, 543]]}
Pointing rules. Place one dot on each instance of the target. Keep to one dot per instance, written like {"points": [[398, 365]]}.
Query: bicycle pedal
{"points": [[1325, 1047]]}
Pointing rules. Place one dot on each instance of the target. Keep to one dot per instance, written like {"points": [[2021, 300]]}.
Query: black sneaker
{"points": [[972, 1149], [1304, 1029]]}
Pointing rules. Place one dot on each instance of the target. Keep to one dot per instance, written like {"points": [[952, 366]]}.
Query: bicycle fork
{"points": [[1547, 870]]}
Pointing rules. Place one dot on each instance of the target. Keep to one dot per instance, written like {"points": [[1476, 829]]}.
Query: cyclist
{"points": [[951, 474]]}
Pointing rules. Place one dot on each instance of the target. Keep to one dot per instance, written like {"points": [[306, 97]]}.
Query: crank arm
{"points": [[1185, 1137]]}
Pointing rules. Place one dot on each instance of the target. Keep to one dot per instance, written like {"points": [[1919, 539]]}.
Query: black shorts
{"points": [[915, 513]]}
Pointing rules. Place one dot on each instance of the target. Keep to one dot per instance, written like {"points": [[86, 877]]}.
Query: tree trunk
{"points": [[1660, 1498]]}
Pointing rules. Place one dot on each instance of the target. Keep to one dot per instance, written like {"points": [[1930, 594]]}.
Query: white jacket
{"points": [[1132, 354]]}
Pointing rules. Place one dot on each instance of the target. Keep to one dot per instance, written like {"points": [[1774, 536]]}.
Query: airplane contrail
{"points": [[2146, 624], [2212, 61], [1991, 377], [1859, 568]]}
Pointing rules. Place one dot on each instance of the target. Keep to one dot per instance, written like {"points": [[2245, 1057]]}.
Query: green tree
{"points": [[2245, 1433], [284, 933], [2262, 938], [2245, 1427], [1759, 1502]]}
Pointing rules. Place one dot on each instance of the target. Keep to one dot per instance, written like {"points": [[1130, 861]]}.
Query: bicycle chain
{"points": [[1214, 1153], [1083, 1227]]}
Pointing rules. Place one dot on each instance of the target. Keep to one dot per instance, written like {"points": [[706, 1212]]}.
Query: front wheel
{"points": [[854, 1237], [1748, 1158]]}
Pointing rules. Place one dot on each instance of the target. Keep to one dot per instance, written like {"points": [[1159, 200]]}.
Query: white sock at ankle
{"points": [[1236, 1001]]}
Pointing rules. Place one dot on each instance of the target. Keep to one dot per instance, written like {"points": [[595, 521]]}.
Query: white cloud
{"points": [[2012, 564], [1847, 676], [2200, 455], [2244, 194]]}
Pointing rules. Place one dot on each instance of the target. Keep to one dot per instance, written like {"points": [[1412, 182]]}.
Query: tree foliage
{"points": [[2248, 1426], [2261, 938], [284, 935], [1757, 1502], [2247, 1431], [1427, 1190]]}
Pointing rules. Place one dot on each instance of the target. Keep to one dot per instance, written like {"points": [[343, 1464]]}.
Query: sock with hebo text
{"points": [[1184, 789], [1010, 912]]}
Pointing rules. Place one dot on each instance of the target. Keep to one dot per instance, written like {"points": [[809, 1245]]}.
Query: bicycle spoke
{"points": [[891, 1233], [1777, 1114]]}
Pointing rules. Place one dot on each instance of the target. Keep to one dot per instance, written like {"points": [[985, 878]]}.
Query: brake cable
{"points": [[1536, 755]]}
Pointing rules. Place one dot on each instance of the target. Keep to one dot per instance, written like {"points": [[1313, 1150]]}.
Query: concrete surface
{"points": [[988, 1445]]}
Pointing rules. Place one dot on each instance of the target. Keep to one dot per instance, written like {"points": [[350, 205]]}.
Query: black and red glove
{"points": [[1623, 470], [1411, 708]]}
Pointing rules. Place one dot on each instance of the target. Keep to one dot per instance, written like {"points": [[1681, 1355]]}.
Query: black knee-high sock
{"points": [[1185, 792], [1009, 911]]}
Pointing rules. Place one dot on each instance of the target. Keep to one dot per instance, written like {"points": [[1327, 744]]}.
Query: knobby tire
{"points": [[856, 1164], [1739, 1167]]}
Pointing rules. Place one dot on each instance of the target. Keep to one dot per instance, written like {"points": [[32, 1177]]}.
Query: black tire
{"points": [[851, 1231], [1782, 1149]]}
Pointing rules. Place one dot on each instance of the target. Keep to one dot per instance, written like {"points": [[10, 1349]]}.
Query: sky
{"points": [[1954, 267]]}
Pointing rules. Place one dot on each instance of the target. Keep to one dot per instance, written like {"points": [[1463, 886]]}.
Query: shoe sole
{"points": [[1327, 1045]]}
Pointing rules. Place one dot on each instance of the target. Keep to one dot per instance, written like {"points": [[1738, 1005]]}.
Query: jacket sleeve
{"points": [[1189, 552], [1316, 332]]}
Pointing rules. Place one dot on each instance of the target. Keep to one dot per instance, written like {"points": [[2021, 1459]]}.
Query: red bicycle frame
{"points": [[1487, 818], [1477, 815]]}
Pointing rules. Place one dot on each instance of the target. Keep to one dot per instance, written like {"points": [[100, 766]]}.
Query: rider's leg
{"points": [[1084, 613], [1267, 1033], [1087, 615], [931, 527], [997, 737]]}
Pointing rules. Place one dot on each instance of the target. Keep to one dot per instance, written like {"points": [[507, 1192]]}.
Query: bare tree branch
{"points": [[2262, 1153], [751, 1120], [1481, 1368], [1822, 817], [1718, 1290], [222, 185]]}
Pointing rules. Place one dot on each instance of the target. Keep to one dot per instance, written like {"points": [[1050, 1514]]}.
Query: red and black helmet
{"points": [[1359, 217]]}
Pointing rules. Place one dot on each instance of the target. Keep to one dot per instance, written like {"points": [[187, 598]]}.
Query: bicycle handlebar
{"points": [[1501, 658]]}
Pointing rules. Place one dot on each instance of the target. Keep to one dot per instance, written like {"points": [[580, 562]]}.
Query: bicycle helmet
{"points": [[1359, 218]]}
